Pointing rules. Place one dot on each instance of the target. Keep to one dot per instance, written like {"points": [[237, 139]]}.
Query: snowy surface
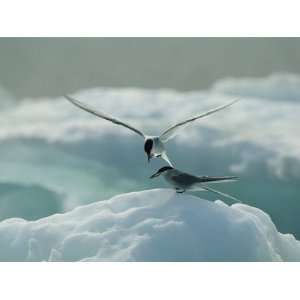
{"points": [[153, 225]]}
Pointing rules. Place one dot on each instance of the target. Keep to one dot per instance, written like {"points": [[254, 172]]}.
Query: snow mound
{"points": [[153, 225]]}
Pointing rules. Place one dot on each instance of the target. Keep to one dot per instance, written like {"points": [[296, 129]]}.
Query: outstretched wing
{"points": [[172, 131], [220, 193], [103, 115]]}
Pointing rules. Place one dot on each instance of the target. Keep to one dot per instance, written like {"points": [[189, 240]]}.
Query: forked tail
{"points": [[221, 193]]}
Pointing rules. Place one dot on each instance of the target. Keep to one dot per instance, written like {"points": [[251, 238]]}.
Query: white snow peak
{"points": [[153, 225]]}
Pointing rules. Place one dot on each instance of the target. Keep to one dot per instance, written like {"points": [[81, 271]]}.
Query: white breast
{"points": [[158, 147]]}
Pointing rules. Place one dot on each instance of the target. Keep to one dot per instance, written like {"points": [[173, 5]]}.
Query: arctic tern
{"points": [[186, 182], [154, 146]]}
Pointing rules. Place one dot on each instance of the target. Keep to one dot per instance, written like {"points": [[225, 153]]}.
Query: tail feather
{"points": [[165, 157], [221, 193]]}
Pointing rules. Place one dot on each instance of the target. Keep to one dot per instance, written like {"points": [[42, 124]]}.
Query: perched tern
{"points": [[154, 146], [186, 182]]}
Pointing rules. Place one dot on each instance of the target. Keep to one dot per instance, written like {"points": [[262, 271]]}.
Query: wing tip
{"points": [[232, 102], [74, 101], [68, 98]]}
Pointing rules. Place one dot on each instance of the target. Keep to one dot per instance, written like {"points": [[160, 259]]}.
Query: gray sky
{"points": [[54, 66]]}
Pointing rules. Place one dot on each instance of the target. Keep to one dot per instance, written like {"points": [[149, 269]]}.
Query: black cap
{"points": [[148, 146]]}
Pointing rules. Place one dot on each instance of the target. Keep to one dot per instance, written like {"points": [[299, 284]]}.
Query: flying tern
{"points": [[186, 182], [154, 146]]}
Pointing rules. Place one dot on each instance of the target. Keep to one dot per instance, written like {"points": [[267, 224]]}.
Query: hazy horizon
{"points": [[50, 67]]}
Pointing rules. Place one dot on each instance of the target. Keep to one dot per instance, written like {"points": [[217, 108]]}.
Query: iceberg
{"points": [[150, 225]]}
